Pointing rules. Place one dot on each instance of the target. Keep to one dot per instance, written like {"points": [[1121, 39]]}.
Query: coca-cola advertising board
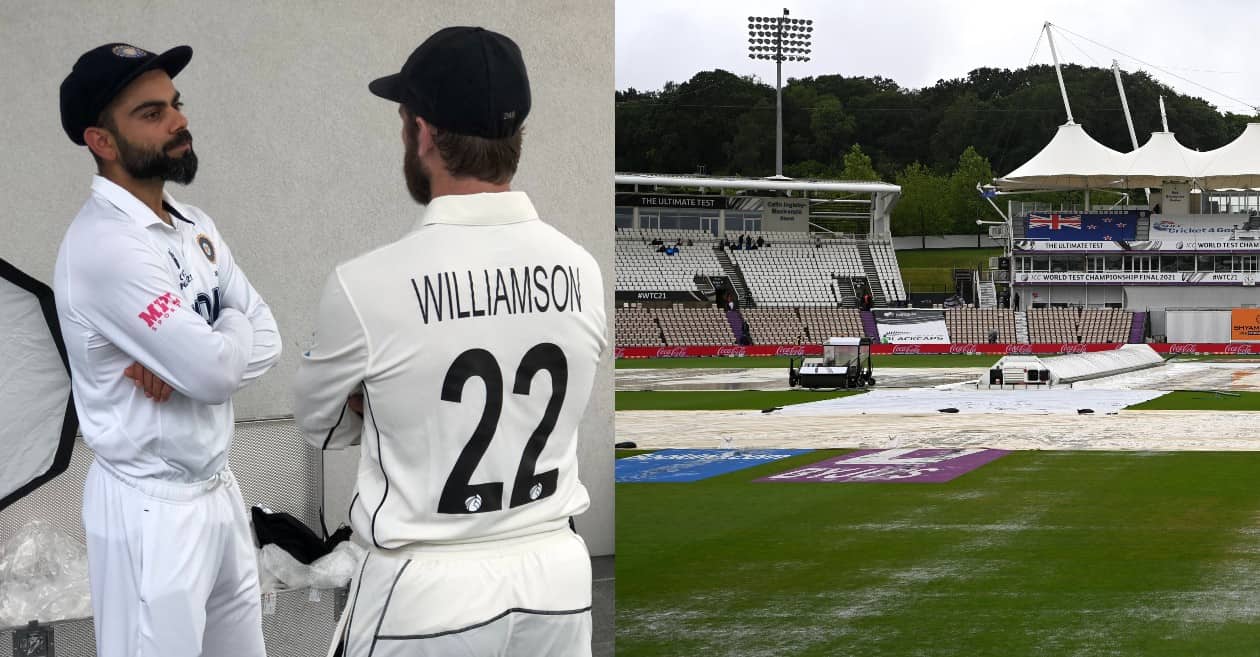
{"points": [[1040, 349]]}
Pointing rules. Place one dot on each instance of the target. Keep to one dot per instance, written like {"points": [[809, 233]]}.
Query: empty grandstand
{"points": [[800, 269], [976, 325], [758, 243], [1079, 325], [639, 325], [704, 269], [667, 261]]}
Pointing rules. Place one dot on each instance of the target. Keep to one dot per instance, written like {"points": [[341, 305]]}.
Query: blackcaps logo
{"points": [[130, 52], [207, 247]]}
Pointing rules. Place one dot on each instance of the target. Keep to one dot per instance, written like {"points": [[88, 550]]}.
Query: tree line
{"points": [[936, 142]]}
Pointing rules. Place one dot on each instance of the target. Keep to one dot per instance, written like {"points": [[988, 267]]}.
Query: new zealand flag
{"points": [[1083, 227]]}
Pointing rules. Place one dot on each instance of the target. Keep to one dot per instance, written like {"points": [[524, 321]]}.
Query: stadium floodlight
{"points": [[39, 419], [784, 39]]}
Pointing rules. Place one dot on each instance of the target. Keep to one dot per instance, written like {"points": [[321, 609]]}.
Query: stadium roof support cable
{"points": [[1254, 107]]}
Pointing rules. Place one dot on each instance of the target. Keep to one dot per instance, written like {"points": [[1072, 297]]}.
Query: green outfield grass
{"points": [[911, 360], [719, 400], [1037, 553], [1184, 400], [932, 270]]}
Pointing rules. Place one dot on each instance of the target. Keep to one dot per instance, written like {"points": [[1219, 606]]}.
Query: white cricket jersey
{"points": [[475, 339], [131, 288]]}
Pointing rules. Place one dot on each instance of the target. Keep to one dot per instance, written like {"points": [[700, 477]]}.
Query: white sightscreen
{"points": [[1198, 325], [34, 390]]}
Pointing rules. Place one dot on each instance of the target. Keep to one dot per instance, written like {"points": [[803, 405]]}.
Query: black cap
{"points": [[467, 80], [101, 73]]}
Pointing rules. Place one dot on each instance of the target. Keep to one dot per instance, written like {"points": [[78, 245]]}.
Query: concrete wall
{"points": [[300, 165]]}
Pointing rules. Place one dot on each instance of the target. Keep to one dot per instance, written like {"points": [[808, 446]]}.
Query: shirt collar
{"points": [[486, 209], [131, 206]]}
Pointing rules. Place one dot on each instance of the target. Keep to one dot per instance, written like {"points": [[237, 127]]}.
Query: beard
{"points": [[144, 163], [417, 177]]}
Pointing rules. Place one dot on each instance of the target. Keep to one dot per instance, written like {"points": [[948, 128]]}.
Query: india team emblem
{"points": [[207, 247], [130, 52]]}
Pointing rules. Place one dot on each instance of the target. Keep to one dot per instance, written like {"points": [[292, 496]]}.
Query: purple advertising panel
{"points": [[892, 465]]}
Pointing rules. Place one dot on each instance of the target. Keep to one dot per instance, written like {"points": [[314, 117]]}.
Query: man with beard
{"points": [[469, 346], [161, 328]]}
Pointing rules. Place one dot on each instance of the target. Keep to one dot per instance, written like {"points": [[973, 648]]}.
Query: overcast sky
{"points": [[1213, 43]]}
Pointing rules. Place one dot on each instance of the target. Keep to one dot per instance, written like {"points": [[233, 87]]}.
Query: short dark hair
{"points": [[104, 121], [466, 156]]}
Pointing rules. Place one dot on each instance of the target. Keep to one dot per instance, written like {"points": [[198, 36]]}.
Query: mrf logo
{"points": [[160, 309]]}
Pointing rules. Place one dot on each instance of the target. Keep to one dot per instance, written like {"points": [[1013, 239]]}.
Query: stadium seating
{"points": [[889, 272], [1105, 325], [694, 326], [799, 283], [796, 273], [678, 325], [641, 267], [635, 326], [1079, 325], [823, 323], [791, 270], [775, 325], [974, 325]]}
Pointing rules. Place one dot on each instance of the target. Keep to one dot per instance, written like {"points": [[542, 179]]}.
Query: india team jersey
{"points": [[474, 341], [130, 288]]}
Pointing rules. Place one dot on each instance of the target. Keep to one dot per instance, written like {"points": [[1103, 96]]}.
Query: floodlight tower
{"points": [[779, 38]]}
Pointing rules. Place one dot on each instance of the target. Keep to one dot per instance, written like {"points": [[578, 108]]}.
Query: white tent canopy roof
{"points": [[1161, 158], [1071, 159], [1236, 164], [1074, 160]]}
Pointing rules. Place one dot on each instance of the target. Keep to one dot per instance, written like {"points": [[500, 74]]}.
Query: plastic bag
{"points": [[43, 576], [279, 570]]}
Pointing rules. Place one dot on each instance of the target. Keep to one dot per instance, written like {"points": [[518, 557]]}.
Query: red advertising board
{"points": [[1206, 348], [1044, 349], [796, 350]]}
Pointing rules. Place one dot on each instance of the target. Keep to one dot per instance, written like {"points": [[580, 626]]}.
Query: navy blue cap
{"points": [[467, 80], [102, 73]]}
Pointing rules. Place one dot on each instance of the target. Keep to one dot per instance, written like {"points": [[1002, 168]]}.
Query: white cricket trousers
{"points": [[523, 597], [172, 567]]}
